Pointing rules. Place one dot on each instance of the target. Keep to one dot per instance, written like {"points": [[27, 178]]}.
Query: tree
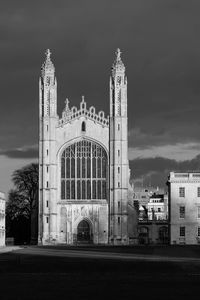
{"points": [[18, 206], [22, 206]]}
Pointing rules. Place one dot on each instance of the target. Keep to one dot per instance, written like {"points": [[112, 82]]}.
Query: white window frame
{"points": [[180, 217], [182, 192]]}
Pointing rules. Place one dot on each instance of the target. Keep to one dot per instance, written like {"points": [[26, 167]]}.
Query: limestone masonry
{"points": [[84, 190], [2, 219]]}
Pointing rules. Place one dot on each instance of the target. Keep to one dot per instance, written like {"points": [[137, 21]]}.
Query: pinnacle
{"points": [[48, 53], [118, 63], [118, 54], [48, 64]]}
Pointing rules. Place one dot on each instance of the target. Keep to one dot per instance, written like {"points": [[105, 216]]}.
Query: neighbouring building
{"points": [[184, 208], [2, 219], [142, 195], [152, 216], [153, 232], [84, 190], [158, 207]]}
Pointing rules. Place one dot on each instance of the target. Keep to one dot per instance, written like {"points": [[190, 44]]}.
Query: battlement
{"points": [[73, 113]]}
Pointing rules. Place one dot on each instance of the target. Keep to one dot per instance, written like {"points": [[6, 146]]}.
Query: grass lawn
{"points": [[30, 276]]}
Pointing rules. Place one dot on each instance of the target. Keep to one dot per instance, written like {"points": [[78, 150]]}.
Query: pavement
{"points": [[6, 249]]}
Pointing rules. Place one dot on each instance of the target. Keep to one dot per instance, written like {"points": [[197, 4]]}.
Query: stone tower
{"points": [[47, 141], [83, 165], [118, 149]]}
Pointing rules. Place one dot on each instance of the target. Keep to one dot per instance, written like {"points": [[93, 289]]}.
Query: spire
{"points": [[118, 63], [47, 66]]}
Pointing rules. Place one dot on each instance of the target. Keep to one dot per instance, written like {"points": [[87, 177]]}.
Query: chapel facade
{"points": [[84, 190]]}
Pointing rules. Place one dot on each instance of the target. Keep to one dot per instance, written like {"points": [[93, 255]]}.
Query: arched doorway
{"points": [[143, 235], [163, 235], [84, 232]]}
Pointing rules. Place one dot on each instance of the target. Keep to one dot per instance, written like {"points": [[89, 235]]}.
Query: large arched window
{"points": [[84, 171]]}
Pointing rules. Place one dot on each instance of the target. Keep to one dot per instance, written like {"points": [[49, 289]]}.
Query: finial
{"points": [[83, 98], [48, 53], [67, 104], [118, 63], [118, 54], [47, 66]]}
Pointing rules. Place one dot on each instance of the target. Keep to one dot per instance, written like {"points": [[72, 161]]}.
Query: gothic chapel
{"points": [[84, 190]]}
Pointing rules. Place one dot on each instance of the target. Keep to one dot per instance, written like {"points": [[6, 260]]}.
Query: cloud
{"points": [[157, 135], [177, 151], [160, 47], [155, 171], [21, 153]]}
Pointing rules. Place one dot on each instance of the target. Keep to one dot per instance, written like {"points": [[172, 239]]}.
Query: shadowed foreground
{"points": [[98, 273]]}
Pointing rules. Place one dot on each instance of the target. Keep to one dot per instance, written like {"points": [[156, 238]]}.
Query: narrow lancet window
{"points": [[83, 127]]}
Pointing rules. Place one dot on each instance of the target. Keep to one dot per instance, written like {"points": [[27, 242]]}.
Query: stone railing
{"points": [[188, 175], [71, 114]]}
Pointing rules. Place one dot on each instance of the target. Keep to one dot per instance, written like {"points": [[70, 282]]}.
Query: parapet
{"points": [[73, 113]]}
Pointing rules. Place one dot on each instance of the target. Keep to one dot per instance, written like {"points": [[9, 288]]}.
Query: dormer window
{"points": [[83, 127]]}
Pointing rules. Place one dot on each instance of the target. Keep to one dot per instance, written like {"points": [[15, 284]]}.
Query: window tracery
{"points": [[84, 171]]}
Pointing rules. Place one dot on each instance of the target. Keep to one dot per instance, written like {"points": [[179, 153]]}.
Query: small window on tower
{"points": [[118, 126], [83, 127], [118, 152], [118, 170]]}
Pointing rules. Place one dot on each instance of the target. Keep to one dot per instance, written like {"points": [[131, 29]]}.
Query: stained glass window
{"points": [[84, 171]]}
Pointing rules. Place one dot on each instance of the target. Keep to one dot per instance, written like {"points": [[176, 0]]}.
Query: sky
{"points": [[160, 47]]}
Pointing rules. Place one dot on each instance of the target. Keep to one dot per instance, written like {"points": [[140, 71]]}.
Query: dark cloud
{"points": [[20, 153], [155, 171], [160, 44], [159, 135]]}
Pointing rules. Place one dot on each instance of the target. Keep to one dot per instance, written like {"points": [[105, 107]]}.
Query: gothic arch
{"points": [[143, 235], [81, 218], [83, 171], [74, 140], [163, 234], [84, 231]]}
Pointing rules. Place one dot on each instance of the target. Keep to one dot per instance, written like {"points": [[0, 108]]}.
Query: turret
{"points": [[119, 168], [48, 88], [48, 120]]}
